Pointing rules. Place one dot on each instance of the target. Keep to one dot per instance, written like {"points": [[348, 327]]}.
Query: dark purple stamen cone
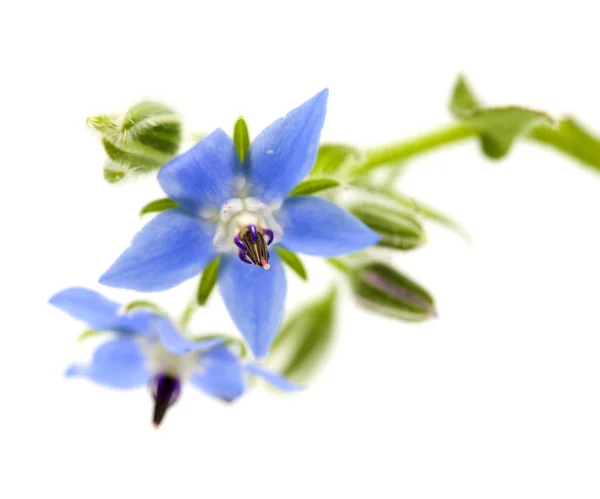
{"points": [[253, 244], [165, 390]]}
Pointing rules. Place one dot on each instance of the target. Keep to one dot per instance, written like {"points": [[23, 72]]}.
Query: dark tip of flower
{"points": [[253, 246], [165, 391], [270, 236], [243, 257], [252, 229]]}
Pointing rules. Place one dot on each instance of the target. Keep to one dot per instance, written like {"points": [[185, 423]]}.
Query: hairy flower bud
{"points": [[382, 289], [143, 139], [398, 229]]}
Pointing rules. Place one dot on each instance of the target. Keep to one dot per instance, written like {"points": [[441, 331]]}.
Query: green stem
{"points": [[401, 151], [574, 142]]}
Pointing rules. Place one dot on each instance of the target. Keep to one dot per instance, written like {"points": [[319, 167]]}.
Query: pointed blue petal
{"points": [[274, 379], [255, 299], [220, 374], [202, 177], [167, 251], [174, 341], [88, 306], [284, 152], [118, 363], [318, 227]]}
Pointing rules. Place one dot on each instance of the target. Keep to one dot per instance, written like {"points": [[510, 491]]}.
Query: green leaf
{"points": [[498, 126], [382, 289], [227, 340], [158, 205], [208, 281], [314, 185], [292, 261], [305, 339], [241, 138], [142, 304], [463, 101], [89, 333], [571, 138], [332, 158]]}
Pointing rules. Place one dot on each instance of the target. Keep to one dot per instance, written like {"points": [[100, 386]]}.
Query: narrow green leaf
{"points": [[571, 138], [142, 304], [305, 339], [187, 314], [241, 138], [292, 261], [158, 205], [208, 281], [332, 158], [314, 185], [89, 333]]}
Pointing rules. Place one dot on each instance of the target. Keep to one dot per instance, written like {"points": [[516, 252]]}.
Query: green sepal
{"points": [[332, 158], [498, 126], [158, 205], [314, 185], [89, 333], [208, 279], [571, 138], [398, 228], [292, 261], [145, 304], [305, 339], [143, 139], [241, 138], [382, 289], [227, 340]]}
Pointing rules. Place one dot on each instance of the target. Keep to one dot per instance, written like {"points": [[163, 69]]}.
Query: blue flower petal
{"points": [[118, 363], [174, 341], [274, 379], [255, 299], [203, 176], [88, 306], [284, 152], [318, 227], [167, 251], [220, 374]]}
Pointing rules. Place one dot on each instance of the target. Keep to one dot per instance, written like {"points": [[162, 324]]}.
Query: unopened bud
{"points": [[143, 139], [382, 289], [398, 229]]}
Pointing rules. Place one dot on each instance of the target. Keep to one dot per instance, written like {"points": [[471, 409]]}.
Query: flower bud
{"points": [[143, 139], [398, 229], [383, 290]]}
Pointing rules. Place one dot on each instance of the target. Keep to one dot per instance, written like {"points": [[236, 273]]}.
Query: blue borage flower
{"points": [[240, 211], [149, 351]]}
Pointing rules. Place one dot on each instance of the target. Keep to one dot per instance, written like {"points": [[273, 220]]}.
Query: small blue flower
{"points": [[240, 211], [138, 357]]}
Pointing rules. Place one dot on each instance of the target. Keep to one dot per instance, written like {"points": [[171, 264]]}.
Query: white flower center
{"points": [[237, 214], [162, 361]]}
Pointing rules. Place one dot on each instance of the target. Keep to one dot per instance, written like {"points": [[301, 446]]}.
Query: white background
{"points": [[498, 398]]}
